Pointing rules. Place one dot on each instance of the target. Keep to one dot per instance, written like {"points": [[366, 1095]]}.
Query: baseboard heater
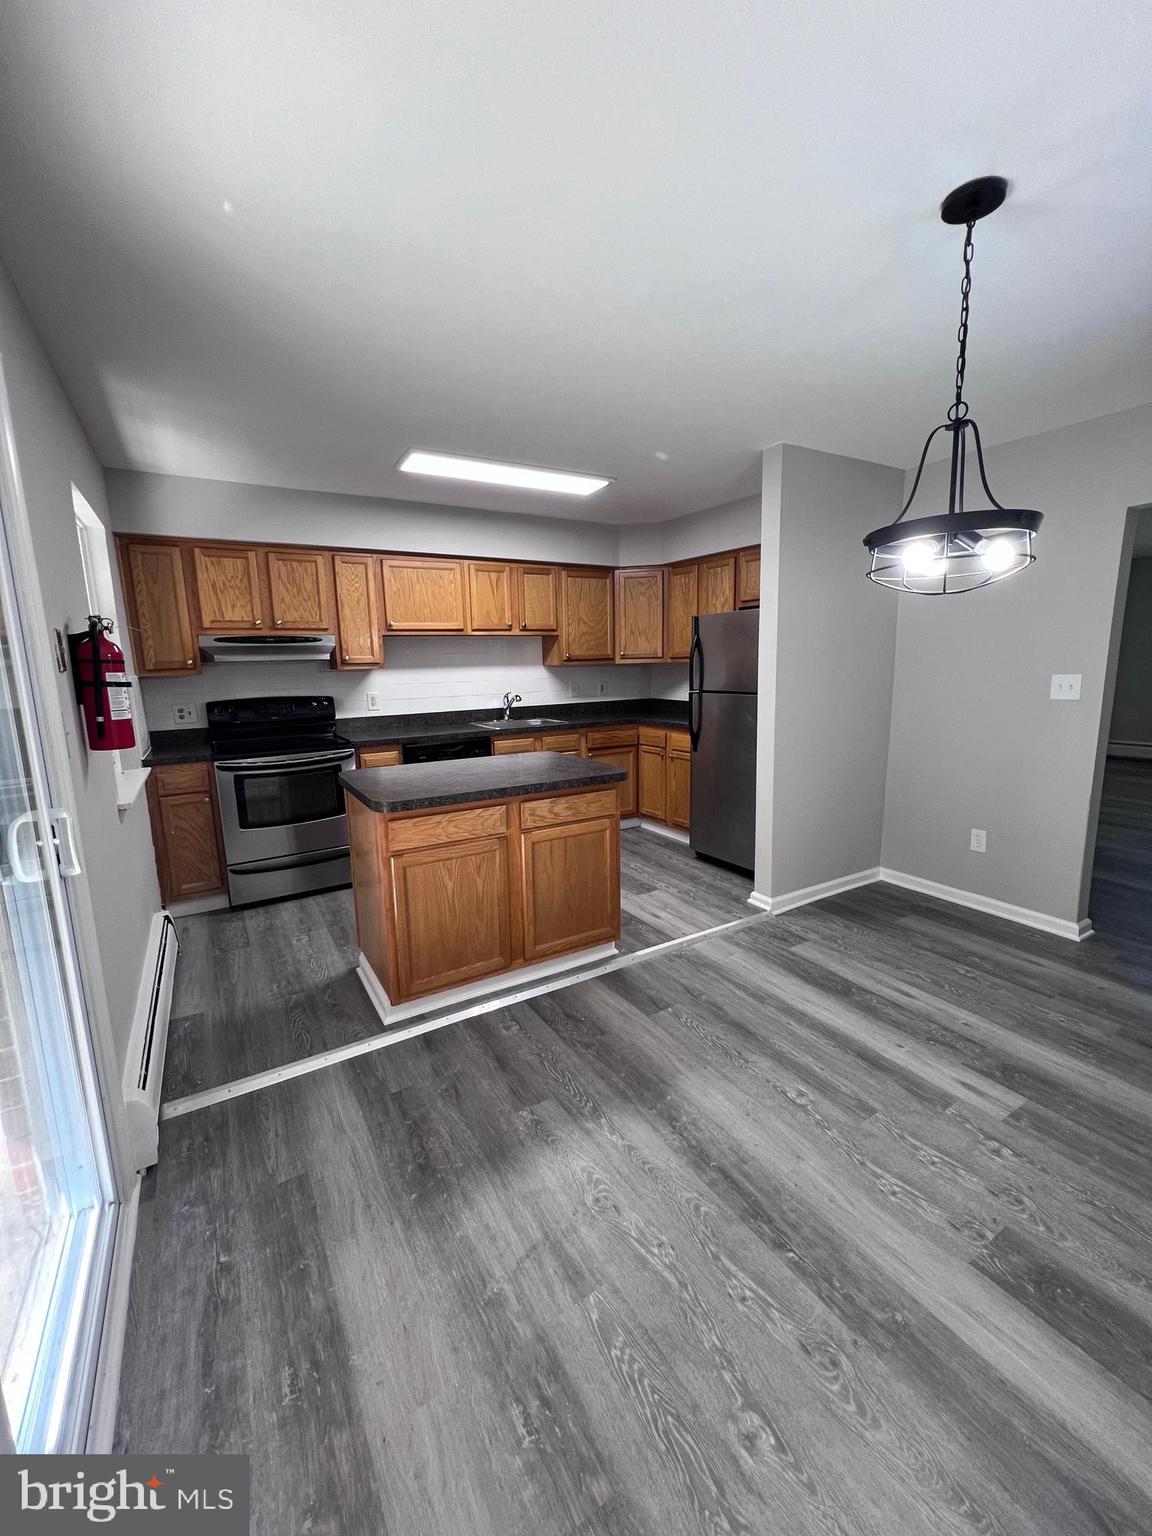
{"points": [[144, 1063]]}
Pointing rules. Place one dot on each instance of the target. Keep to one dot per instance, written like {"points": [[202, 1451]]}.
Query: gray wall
{"points": [[1132, 707], [700, 533], [976, 741], [827, 644], [54, 454]]}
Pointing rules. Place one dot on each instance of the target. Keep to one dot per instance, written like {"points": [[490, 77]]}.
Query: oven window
{"points": [[283, 799]]}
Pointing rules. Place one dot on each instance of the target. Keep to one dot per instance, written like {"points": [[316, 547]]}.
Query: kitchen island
{"points": [[469, 874]]}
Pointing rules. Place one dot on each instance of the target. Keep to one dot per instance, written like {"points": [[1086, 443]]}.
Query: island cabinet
{"points": [[451, 896]]}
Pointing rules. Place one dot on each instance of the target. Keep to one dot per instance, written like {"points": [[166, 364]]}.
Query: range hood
{"points": [[267, 647]]}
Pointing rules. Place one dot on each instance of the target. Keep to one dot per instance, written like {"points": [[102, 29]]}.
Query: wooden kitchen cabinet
{"points": [[299, 582], [679, 808], [571, 883], [748, 577], [423, 596], [228, 592], [159, 618], [186, 831], [717, 584], [453, 913], [652, 778], [537, 599], [621, 757], [358, 626], [565, 742], [490, 598], [379, 757], [640, 613], [683, 598], [585, 619]]}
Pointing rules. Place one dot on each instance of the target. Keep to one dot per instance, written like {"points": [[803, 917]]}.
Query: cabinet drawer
{"points": [[561, 741], [379, 757], [651, 737], [679, 741], [447, 827], [612, 736], [560, 808], [182, 778], [504, 744]]}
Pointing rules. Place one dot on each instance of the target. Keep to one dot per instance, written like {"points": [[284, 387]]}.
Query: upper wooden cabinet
{"points": [[537, 599], [299, 582], [358, 626], [748, 577], [640, 613], [423, 596], [159, 621], [683, 598], [228, 587], [717, 584], [585, 619], [490, 598]]}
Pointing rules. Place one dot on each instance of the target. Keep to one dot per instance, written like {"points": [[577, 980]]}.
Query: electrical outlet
{"points": [[185, 714], [372, 701], [601, 689], [978, 842], [1065, 685]]}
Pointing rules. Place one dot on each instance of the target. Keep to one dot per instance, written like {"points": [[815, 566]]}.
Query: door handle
{"points": [[64, 840], [23, 872]]}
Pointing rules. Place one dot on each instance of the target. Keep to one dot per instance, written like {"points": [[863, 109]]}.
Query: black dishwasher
{"points": [[451, 747]]}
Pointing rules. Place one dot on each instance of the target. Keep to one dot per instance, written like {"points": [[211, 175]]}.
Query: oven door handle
{"points": [[261, 767], [288, 861]]}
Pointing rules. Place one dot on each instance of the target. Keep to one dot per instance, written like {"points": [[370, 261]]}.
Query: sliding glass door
{"points": [[57, 1207]]}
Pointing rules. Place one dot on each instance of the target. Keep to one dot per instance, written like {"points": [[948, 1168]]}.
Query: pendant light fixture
{"points": [[957, 550]]}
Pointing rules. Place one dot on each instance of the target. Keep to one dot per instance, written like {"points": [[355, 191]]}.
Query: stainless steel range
{"points": [[278, 763]]}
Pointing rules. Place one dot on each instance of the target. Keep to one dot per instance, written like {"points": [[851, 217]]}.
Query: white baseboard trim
{"points": [[800, 898], [675, 833], [106, 1390], [1129, 749], [1063, 928], [199, 904]]}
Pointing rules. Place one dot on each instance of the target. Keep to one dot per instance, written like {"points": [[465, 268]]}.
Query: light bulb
{"points": [[922, 559], [998, 554]]}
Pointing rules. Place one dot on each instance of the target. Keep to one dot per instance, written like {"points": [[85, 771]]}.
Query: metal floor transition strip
{"points": [[253, 1083]]}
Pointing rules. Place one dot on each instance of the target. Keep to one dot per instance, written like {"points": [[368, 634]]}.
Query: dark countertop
{"points": [[416, 730], [422, 786]]}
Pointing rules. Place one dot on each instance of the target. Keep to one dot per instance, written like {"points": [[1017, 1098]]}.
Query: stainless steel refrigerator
{"points": [[722, 668]]}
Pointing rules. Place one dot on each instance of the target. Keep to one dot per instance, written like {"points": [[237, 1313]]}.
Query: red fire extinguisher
{"points": [[103, 687]]}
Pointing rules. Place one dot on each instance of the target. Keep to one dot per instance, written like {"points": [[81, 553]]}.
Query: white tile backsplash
{"points": [[421, 675]]}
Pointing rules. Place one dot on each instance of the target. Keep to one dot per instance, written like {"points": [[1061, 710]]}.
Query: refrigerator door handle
{"points": [[695, 686]]}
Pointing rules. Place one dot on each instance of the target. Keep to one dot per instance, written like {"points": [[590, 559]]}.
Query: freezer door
{"points": [[724, 778], [728, 652]]}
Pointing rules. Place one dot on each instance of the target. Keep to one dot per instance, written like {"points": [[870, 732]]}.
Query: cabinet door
{"points": [[571, 882], [227, 588], [717, 584], [163, 640], [298, 589], [453, 914], [489, 598], [620, 757], [748, 577], [358, 626], [679, 781], [423, 596], [537, 599], [640, 613], [653, 777], [190, 857], [587, 614], [683, 598]]}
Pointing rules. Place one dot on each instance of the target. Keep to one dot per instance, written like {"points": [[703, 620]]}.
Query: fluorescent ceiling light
{"points": [[523, 476]]}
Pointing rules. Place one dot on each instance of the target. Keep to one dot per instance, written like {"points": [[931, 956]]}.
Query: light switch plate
{"points": [[372, 703], [1065, 685], [185, 714]]}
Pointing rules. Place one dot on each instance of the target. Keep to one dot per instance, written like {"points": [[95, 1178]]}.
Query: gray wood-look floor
{"points": [[838, 1223], [1121, 898], [263, 986]]}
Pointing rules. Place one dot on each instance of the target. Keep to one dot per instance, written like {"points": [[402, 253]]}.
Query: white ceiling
{"points": [[283, 241]]}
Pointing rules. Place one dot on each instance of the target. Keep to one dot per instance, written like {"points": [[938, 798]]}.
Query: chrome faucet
{"points": [[509, 700]]}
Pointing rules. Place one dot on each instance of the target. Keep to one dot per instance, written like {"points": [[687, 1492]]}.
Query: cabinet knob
{"points": [[509, 623], [279, 622], [345, 655], [258, 623], [190, 662], [523, 623], [391, 625], [207, 798], [567, 655]]}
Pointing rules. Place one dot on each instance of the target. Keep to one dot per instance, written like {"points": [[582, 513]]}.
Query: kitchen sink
{"points": [[537, 723]]}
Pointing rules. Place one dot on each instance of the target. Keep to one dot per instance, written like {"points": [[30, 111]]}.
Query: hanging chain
{"points": [[959, 408]]}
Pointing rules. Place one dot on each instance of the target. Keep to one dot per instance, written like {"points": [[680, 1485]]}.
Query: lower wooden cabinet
{"points": [[453, 914], [186, 831], [652, 776], [571, 879], [679, 812], [665, 776], [379, 757]]}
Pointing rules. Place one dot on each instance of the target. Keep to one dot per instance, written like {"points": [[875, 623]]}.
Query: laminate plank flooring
{"points": [[260, 987], [839, 1222], [1121, 896]]}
